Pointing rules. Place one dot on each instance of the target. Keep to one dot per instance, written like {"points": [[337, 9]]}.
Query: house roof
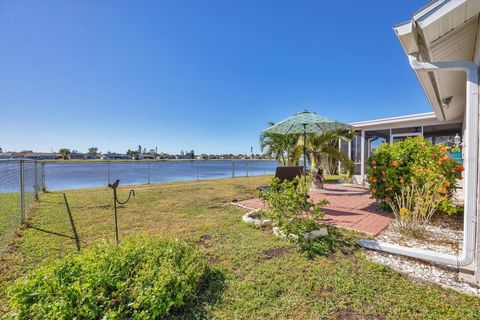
{"points": [[443, 30], [419, 119]]}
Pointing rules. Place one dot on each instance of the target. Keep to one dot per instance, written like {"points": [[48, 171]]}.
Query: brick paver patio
{"points": [[350, 207]]}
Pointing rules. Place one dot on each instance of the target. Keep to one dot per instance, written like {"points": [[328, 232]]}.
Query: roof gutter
{"points": [[470, 163]]}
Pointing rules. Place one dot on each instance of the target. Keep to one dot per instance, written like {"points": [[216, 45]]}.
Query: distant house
{"points": [[91, 156], [77, 156], [6, 155], [37, 155], [147, 156], [115, 156]]}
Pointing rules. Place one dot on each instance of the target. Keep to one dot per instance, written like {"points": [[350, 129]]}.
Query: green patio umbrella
{"points": [[306, 122]]}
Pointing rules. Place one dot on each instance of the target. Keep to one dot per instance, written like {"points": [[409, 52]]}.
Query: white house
{"points": [[442, 43]]}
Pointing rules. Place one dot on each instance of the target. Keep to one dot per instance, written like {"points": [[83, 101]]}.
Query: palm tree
{"points": [[65, 153], [325, 146], [279, 146]]}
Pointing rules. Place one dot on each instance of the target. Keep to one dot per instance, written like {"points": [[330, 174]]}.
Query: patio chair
{"points": [[318, 178], [285, 174]]}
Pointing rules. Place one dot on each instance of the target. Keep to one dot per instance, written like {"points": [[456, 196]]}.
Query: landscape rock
{"points": [[316, 234], [266, 223], [254, 217], [278, 232], [293, 236]]}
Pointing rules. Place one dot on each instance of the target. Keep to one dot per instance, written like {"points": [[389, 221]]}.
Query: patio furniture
{"points": [[285, 174], [317, 178], [303, 123]]}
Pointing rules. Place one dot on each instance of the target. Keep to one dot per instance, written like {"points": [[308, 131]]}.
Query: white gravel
{"points": [[422, 271], [442, 237]]}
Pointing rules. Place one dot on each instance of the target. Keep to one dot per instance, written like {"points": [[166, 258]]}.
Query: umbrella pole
{"points": [[305, 153]]}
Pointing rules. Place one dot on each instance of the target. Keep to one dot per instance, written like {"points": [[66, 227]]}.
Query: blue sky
{"points": [[203, 75]]}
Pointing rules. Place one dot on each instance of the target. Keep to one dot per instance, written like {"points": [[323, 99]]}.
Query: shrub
{"points": [[290, 207], [413, 208], [293, 212], [414, 160], [140, 279]]}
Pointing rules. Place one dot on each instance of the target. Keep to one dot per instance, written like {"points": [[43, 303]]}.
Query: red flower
{"points": [[394, 163], [374, 190], [460, 168]]}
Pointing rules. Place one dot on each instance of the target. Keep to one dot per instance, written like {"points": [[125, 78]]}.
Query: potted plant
{"points": [[456, 152]]}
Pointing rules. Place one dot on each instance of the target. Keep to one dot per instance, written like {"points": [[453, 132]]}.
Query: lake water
{"points": [[76, 175]]}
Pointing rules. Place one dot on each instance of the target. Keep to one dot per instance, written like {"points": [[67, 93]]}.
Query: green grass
{"points": [[10, 214], [257, 284]]}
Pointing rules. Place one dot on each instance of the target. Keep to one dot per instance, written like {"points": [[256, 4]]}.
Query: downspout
{"points": [[470, 163]]}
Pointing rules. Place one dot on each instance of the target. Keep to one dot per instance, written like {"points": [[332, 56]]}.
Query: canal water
{"points": [[76, 175]]}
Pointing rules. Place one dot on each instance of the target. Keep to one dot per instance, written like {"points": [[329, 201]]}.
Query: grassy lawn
{"points": [[264, 277], [10, 213]]}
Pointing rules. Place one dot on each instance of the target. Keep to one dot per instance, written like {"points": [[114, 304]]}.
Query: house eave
{"points": [[428, 35]]}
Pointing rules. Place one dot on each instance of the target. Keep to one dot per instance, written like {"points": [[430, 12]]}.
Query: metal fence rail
{"points": [[20, 183]]}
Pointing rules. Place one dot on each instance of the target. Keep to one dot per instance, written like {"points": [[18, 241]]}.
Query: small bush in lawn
{"points": [[139, 279], [393, 166], [290, 207], [293, 212]]}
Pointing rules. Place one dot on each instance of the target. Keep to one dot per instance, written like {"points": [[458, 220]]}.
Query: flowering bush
{"points": [[414, 160]]}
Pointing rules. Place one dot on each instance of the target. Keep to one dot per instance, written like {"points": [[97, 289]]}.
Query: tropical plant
{"points": [[414, 206], [93, 150], [392, 166], [279, 146], [65, 153], [140, 279], [133, 154], [323, 148]]}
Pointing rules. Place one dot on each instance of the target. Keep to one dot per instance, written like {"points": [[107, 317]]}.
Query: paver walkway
{"points": [[350, 207]]}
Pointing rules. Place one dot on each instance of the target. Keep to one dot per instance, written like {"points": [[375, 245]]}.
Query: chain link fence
{"points": [[22, 180], [77, 175], [20, 183]]}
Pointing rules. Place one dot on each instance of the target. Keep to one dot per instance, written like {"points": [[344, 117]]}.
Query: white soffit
{"points": [[419, 119], [444, 30], [445, 17]]}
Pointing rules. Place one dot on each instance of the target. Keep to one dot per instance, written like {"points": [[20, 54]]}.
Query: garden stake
{"points": [[115, 201], [75, 233]]}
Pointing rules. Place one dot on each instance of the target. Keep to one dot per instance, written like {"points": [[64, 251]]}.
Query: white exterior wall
{"points": [[476, 59]]}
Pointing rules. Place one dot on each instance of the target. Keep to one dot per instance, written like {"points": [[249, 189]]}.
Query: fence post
{"points": [[44, 186], [108, 172], [233, 168], [247, 168], [148, 171], [197, 169], [22, 191], [37, 177]]}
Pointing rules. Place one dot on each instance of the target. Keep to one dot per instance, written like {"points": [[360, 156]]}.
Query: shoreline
{"points": [[149, 160]]}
